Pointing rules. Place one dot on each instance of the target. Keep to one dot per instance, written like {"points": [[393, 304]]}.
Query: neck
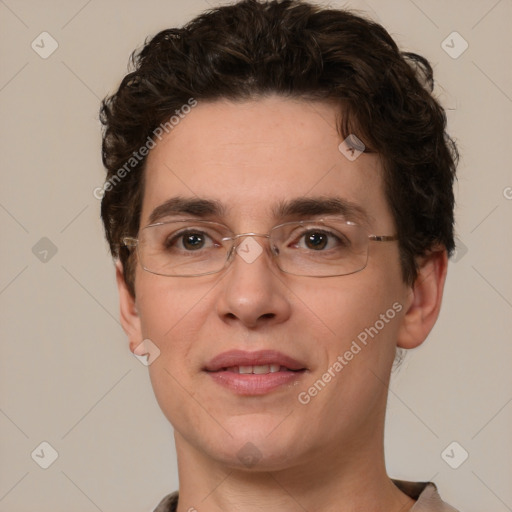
{"points": [[337, 478]]}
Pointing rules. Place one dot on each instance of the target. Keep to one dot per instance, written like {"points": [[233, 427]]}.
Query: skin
{"points": [[327, 455]]}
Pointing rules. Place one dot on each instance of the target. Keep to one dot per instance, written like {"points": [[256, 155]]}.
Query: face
{"points": [[251, 157]]}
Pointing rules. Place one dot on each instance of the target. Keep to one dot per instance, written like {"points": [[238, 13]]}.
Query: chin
{"points": [[256, 442], [255, 456]]}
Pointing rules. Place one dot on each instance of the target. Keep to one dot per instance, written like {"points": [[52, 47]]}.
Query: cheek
{"points": [[346, 306], [165, 304], [171, 317], [358, 316], [360, 319]]}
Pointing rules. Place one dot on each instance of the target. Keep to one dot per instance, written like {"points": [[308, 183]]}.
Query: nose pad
{"points": [[232, 251]]}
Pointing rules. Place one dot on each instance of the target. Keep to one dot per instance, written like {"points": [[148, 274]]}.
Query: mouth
{"points": [[261, 369], [260, 361], [254, 373]]}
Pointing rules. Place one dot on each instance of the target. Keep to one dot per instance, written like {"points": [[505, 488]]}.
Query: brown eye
{"points": [[320, 240], [188, 241], [193, 241], [316, 240]]}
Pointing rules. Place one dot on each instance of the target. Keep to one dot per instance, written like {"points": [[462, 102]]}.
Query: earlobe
{"points": [[422, 309], [129, 313]]}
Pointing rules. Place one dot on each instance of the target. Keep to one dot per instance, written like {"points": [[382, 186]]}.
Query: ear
{"points": [[424, 301], [130, 319]]}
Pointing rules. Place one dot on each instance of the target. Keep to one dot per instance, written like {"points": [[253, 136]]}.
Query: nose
{"points": [[253, 292]]}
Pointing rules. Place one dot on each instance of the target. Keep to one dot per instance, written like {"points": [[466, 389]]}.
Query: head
{"points": [[245, 107]]}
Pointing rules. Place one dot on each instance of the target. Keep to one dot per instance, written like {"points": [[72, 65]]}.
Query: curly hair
{"points": [[294, 49]]}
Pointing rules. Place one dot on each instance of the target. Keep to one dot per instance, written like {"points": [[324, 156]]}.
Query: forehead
{"points": [[254, 158]]}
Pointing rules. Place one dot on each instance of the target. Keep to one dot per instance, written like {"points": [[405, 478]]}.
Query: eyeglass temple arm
{"points": [[383, 238], [129, 241]]}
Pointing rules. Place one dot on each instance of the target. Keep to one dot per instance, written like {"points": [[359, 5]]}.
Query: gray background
{"points": [[67, 376]]}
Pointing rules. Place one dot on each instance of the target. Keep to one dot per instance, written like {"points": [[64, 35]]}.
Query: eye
{"points": [[189, 240], [319, 239], [316, 240]]}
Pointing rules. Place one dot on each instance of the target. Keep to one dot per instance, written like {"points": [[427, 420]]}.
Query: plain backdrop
{"points": [[67, 376]]}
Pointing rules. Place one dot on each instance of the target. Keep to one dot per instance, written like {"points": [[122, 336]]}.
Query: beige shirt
{"points": [[425, 493]]}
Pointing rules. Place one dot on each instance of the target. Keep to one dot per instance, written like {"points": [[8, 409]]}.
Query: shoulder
{"points": [[426, 495], [168, 504]]}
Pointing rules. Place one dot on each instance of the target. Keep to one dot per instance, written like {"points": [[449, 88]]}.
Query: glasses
{"points": [[326, 247]]}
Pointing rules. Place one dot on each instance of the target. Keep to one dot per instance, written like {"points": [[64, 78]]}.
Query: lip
{"points": [[254, 384], [260, 357]]}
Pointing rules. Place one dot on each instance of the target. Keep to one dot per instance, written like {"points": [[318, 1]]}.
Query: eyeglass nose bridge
{"points": [[245, 234], [236, 242]]}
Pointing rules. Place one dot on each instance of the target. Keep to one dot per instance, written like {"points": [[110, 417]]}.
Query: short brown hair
{"points": [[295, 49]]}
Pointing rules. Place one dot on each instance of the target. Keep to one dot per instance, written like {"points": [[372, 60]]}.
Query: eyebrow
{"points": [[300, 207], [314, 206], [187, 206]]}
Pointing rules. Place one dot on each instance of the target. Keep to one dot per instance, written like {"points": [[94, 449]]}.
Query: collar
{"points": [[425, 493]]}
